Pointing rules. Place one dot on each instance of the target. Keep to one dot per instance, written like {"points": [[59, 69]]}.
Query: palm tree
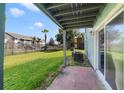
{"points": [[45, 36]]}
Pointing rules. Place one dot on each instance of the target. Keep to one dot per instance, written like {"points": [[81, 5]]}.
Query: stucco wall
{"points": [[105, 15], [89, 45]]}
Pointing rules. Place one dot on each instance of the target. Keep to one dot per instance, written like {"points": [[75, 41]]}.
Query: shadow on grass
{"points": [[35, 73]]}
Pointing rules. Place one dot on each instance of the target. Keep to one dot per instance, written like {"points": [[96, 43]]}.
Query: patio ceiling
{"points": [[72, 15]]}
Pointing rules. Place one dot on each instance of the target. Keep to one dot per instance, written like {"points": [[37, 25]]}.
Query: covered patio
{"points": [[72, 16], [77, 78], [94, 18], [66, 16]]}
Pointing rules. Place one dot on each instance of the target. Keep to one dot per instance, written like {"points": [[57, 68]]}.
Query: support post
{"points": [[2, 29], [86, 42], [64, 46]]}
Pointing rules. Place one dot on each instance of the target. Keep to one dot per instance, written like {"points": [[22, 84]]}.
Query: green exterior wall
{"points": [[104, 13]]}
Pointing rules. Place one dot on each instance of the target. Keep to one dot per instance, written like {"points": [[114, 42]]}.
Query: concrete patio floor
{"points": [[77, 78]]}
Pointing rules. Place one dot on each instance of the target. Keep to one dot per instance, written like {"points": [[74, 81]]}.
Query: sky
{"points": [[27, 19]]}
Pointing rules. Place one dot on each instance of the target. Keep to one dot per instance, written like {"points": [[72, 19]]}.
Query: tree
{"points": [[78, 34], [70, 34], [51, 42], [59, 38], [38, 39], [38, 42], [34, 41], [69, 37], [45, 36]]}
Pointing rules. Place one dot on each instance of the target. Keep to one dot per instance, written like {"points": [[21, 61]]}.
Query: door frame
{"points": [[98, 48]]}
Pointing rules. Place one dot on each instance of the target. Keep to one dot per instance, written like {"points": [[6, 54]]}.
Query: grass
{"points": [[79, 50], [31, 70]]}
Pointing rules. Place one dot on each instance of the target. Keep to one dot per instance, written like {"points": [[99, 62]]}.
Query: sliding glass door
{"points": [[101, 51], [115, 52]]}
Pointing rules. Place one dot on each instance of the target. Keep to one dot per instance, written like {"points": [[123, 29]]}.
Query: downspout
{"points": [[2, 29]]}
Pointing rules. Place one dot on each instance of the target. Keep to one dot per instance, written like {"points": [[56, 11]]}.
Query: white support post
{"points": [[64, 47], [2, 29], [86, 43]]}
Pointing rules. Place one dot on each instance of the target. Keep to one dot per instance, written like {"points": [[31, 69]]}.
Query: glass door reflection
{"points": [[101, 51]]}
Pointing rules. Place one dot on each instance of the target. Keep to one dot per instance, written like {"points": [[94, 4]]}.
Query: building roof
{"points": [[18, 36], [72, 15]]}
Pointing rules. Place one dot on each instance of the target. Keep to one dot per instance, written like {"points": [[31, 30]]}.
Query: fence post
{"points": [[2, 29]]}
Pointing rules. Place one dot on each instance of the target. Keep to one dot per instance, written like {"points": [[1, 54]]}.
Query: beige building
{"points": [[13, 40]]}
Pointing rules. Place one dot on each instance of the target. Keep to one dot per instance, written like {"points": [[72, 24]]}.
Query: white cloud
{"points": [[31, 7], [38, 24], [16, 12]]}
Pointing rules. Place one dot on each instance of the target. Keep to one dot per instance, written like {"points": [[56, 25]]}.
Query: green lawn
{"points": [[79, 50], [29, 71]]}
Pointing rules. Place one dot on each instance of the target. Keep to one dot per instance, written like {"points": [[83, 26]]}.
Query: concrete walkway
{"points": [[76, 78]]}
